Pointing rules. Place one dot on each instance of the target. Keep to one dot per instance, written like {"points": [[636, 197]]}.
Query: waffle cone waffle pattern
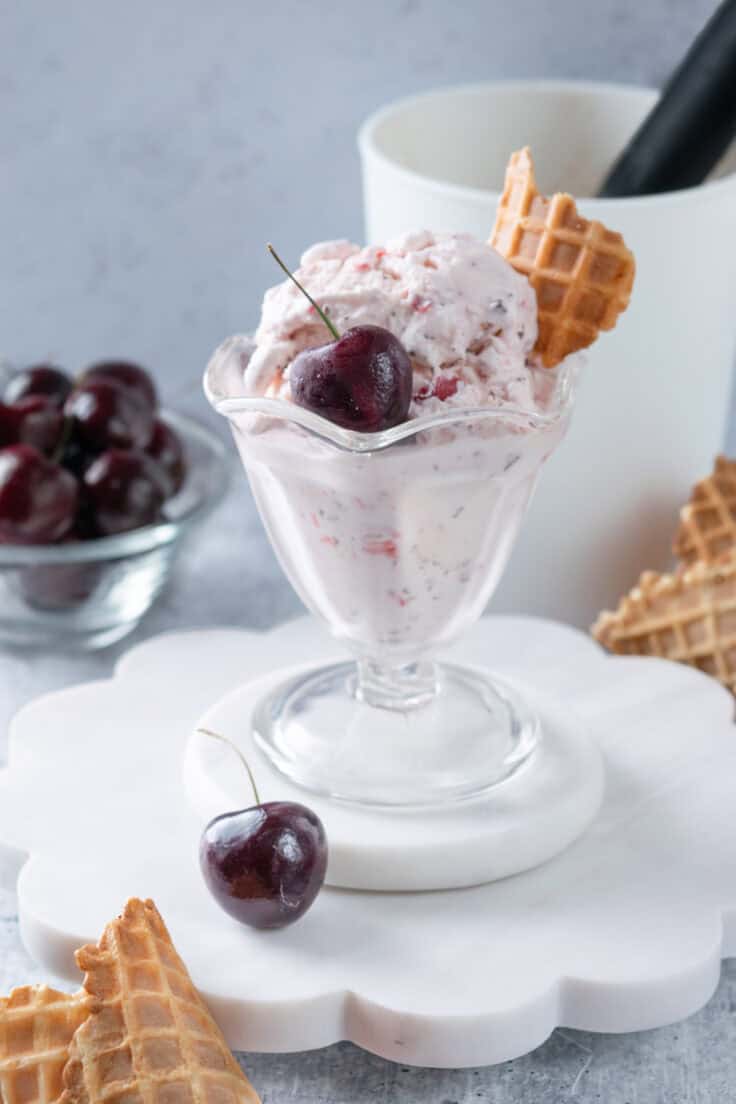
{"points": [[708, 522], [689, 615], [37, 1025], [581, 272], [138, 1033], [151, 1039]]}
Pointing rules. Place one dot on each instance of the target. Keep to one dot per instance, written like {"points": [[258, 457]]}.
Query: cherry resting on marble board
{"points": [[264, 865], [361, 381]]}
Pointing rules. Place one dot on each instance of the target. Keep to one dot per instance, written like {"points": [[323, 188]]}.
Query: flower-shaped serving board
{"points": [[624, 930]]}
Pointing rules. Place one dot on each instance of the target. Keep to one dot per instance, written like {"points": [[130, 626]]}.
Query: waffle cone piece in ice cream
{"points": [[707, 526], [581, 272], [151, 1039], [689, 616], [36, 1028]]}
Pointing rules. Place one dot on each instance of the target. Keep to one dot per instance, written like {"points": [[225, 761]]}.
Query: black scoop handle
{"points": [[693, 122]]}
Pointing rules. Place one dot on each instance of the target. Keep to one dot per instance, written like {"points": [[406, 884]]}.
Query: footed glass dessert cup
{"points": [[396, 541]]}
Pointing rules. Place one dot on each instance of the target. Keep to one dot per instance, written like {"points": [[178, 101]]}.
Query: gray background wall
{"points": [[148, 149]]}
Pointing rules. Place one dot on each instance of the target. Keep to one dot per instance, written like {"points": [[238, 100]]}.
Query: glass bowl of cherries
{"points": [[98, 486]]}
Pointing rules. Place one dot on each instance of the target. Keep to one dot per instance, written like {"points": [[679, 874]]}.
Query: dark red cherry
{"points": [[35, 420], [122, 491], [363, 381], [38, 379], [127, 374], [265, 865], [38, 499], [168, 452], [107, 415], [61, 586]]}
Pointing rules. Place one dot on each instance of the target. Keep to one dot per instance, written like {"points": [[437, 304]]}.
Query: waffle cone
{"points": [[707, 526], [151, 1039], [581, 272], [36, 1028], [689, 617]]}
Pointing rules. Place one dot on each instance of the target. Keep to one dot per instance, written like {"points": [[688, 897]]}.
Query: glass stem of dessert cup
{"points": [[401, 687], [396, 541]]}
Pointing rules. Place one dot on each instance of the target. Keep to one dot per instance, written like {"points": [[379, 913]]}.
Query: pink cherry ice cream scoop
{"points": [[465, 317]]}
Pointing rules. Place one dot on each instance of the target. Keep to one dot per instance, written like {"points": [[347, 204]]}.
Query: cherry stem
{"points": [[238, 752], [64, 439], [330, 325]]}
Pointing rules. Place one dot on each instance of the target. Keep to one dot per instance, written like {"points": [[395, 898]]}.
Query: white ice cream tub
{"points": [[654, 401]]}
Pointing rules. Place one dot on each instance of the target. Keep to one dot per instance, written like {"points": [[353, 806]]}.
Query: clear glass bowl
{"points": [[396, 541], [90, 594]]}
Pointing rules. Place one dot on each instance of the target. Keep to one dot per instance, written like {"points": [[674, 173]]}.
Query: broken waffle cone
{"points": [[36, 1028], [707, 527], [689, 617], [581, 272], [151, 1039]]}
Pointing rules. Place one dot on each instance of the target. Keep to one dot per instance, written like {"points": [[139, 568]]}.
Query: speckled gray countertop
{"points": [[147, 151]]}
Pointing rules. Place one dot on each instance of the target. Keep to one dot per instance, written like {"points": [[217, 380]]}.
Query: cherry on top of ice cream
{"points": [[361, 381]]}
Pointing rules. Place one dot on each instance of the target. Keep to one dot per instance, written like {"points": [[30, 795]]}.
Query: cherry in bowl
{"points": [[45, 380], [38, 499], [106, 415], [122, 490], [86, 590], [33, 420], [135, 379]]}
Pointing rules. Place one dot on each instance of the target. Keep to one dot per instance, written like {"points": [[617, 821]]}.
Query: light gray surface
{"points": [[148, 150]]}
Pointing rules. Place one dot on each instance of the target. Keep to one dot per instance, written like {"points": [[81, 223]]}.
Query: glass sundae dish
{"points": [[393, 423]]}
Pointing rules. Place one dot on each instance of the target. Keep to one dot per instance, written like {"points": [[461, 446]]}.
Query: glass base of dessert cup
{"points": [[422, 735]]}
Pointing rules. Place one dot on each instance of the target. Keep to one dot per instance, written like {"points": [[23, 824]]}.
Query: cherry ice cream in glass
{"points": [[393, 427]]}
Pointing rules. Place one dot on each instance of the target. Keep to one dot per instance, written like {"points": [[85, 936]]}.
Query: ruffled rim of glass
{"points": [[353, 441]]}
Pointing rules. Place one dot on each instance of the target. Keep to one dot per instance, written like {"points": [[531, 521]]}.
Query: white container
{"points": [[654, 399]]}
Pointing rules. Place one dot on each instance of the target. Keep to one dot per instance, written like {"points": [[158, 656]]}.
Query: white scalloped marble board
{"points": [[624, 930]]}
